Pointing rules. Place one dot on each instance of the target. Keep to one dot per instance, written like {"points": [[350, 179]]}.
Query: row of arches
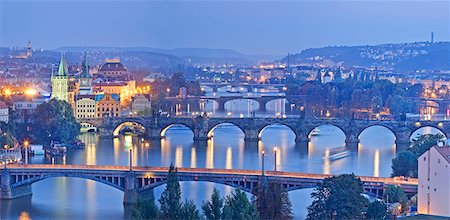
{"points": [[244, 104], [249, 134]]}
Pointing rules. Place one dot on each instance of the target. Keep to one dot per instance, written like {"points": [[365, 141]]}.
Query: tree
{"points": [[394, 194], [212, 209], [145, 209], [6, 137], [424, 142], [405, 164], [189, 211], [170, 200], [237, 206], [376, 210], [273, 201], [54, 121], [338, 197]]}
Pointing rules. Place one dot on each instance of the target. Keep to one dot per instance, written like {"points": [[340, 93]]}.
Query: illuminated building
{"points": [[434, 179], [112, 68], [107, 105], [85, 106], [140, 103], [60, 82], [124, 89], [4, 112]]}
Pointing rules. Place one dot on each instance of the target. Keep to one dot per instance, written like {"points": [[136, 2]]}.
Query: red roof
{"points": [[444, 151]]}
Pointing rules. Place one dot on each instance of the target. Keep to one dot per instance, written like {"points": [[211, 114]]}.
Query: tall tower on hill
{"points": [[60, 81]]}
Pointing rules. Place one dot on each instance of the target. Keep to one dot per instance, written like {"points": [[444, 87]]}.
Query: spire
{"points": [[85, 73], [62, 69]]}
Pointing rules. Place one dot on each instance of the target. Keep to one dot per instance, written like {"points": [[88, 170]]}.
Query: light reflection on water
{"points": [[65, 198]]}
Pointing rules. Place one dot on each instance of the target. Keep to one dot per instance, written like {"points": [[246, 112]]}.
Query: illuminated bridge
{"points": [[16, 181], [252, 128]]}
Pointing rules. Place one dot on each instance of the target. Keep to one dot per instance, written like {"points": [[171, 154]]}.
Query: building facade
{"points": [[141, 103], [85, 106], [107, 105], [434, 181], [60, 82], [4, 112]]}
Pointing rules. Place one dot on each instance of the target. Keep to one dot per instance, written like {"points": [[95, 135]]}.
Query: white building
{"points": [[4, 112], [140, 103], [434, 182], [85, 106]]}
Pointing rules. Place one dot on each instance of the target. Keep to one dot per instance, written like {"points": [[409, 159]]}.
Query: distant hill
{"points": [[193, 55], [405, 57]]}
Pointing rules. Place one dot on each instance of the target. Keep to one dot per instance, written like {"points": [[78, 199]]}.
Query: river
{"points": [[71, 198]]}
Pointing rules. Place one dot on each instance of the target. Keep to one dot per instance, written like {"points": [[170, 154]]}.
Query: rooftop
{"points": [[444, 151]]}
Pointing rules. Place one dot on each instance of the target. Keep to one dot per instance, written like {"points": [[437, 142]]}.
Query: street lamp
{"points": [[262, 167], [25, 144]]}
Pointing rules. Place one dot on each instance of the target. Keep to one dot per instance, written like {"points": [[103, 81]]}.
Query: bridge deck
{"points": [[199, 171]]}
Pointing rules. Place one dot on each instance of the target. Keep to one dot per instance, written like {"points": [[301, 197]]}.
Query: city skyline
{"points": [[246, 26]]}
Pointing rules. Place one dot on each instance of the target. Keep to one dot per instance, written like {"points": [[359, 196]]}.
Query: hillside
{"points": [[403, 57]]}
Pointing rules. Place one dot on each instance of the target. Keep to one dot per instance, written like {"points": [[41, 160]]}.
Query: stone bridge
{"points": [[195, 103], [202, 127], [16, 180]]}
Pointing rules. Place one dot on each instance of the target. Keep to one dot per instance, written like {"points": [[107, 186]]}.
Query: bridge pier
{"points": [[402, 145], [105, 132], [154, 134], [251, 135], [352, 143], [7, 192], [130, 195]]}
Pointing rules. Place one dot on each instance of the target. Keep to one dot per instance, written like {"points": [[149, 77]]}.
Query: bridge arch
{"points": [[364, 129], [167, 127], [252, 103], [211, 129], [278, 105], [432, 129], [88, 127], [129, 124], [312, 131], [113, 181], [261, 131]]}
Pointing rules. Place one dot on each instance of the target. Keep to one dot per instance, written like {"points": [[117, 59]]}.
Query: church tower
{"points": [[60, 82], [85, 80]]}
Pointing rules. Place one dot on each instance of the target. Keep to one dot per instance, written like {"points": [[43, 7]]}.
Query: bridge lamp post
{"points": [[262, 165]]}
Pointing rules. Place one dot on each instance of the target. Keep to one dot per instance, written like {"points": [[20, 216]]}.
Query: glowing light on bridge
{"points": [[229, 159]]}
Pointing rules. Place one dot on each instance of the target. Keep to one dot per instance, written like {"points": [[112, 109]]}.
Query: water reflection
{"points": [[84, 199]]}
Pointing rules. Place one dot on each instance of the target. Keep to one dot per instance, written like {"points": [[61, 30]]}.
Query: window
{"points": [[424, 158], [439, 160]]}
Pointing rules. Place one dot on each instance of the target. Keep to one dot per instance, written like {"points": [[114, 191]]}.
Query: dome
{"points": [[112, 66]]}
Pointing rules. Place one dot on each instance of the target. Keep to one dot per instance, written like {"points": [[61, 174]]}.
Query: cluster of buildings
{"points": [[102, 95]]}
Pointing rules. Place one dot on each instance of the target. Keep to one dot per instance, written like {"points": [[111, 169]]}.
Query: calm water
{"points": [[71, 198]]}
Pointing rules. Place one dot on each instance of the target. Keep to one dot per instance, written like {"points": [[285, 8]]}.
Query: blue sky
{"points": [[252, 27]]}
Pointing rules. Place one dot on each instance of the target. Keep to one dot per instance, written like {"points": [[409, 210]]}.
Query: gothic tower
{"points": [[85, 80], [60, 81]]}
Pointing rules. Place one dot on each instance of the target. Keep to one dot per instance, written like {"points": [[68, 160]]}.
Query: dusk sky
{"points": [[251, 27]]}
